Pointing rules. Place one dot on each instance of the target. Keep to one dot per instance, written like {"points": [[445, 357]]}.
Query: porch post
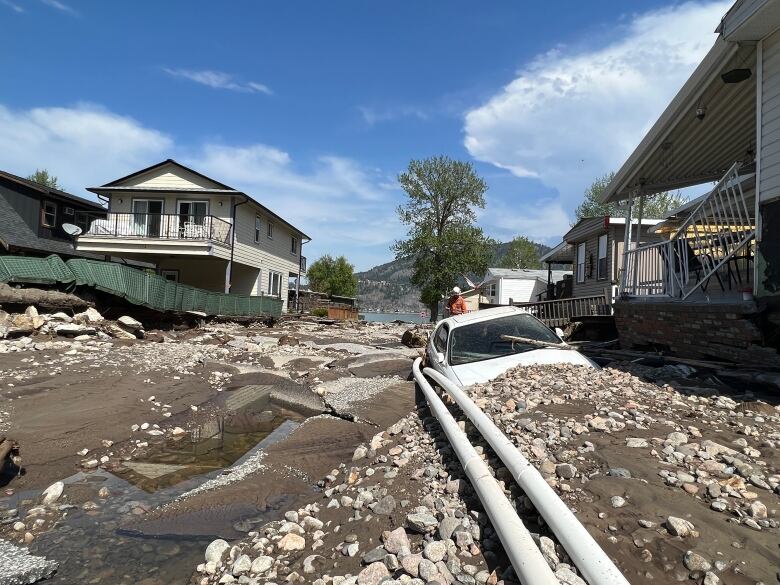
{"points": [[626, 241], [638, 235], [228, 272]]}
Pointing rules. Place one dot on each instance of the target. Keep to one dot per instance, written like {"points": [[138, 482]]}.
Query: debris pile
{"points": [[609, 438], [399, 511], [88, 324]]}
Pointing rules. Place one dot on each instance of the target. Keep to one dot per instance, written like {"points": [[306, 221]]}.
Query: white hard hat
{"points": [[456, 290]]}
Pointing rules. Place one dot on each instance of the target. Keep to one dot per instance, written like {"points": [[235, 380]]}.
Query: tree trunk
{"points": [[434, 308]]}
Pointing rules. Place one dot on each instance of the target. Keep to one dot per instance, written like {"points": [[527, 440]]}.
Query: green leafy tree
{"points": [[521, 253], [333, 276], [43, 177], [442, 240], [656, 206]]}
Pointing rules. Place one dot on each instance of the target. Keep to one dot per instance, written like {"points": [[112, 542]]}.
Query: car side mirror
{"points": [[440, 357], [559, 333]]}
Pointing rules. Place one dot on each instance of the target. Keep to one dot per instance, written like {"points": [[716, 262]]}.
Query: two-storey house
{"points": [[197, 231]]}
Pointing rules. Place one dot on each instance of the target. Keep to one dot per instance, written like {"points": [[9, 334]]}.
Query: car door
{"points": [[438, 346]]}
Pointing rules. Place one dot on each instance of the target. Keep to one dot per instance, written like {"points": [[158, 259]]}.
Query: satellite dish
{"points": [[71, 230]]}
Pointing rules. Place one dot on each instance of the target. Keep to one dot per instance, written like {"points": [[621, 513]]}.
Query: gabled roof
{"points": [[563, 253], [589, 226], [168, 161], [50, 191], [221, 188]]}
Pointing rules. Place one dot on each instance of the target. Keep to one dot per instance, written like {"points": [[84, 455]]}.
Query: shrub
{"points": [[320, 312]]}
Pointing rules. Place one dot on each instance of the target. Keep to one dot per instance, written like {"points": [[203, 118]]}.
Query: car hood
{"points": [[486, 370]]}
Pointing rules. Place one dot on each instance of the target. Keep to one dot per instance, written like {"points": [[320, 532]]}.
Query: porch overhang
{"points": [[708, 126]]}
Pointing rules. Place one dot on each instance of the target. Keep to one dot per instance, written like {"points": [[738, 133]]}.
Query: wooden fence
{"points": [[560, 312]]}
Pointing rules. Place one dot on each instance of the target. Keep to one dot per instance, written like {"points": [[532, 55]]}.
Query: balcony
{"points": [[158, 226]]}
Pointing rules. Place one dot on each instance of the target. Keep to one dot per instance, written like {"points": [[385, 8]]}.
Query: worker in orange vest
{"points": [[456, 304]]}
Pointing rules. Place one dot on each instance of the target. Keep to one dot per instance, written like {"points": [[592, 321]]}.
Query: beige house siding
{"points": [[269, 254], [206, 272], [770, 118], [163, 178]]}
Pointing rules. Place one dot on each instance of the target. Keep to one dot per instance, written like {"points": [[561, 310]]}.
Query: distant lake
{"points": [[387, 317]]}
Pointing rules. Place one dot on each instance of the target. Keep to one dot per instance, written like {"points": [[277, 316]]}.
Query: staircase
{"points": [[714, 242]]}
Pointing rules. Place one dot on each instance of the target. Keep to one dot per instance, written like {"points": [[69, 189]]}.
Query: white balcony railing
{"points": [[714, 242], [161, 226]]}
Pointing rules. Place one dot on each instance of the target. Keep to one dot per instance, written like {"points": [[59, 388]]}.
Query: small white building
{"points": [[503, 286], [197, 231]]}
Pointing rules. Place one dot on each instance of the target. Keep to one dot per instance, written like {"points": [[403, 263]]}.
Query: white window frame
{"points": [[581, 262], [270, 231], [293, 245], [258, 228], [45, 212], [166, 272], [601, 274], [492, 289], [274, 283]]}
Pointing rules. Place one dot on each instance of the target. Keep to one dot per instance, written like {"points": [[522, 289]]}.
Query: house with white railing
{"points": [[198, 231], [710, 285]]}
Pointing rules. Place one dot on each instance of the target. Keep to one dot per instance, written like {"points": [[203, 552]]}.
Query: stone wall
{"points": [[696, 330]]}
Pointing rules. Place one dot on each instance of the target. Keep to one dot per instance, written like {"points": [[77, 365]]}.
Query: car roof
{"points": [[482, 315]]}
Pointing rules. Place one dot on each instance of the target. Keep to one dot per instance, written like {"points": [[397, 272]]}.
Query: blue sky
{"points": [[315, 107]]}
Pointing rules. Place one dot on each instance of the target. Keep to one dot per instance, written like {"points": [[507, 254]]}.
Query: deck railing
{"points": [[713, 242], [560, 312], [162, 226]]}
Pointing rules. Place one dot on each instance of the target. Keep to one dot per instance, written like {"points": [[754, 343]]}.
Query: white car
{"points": [[479, 346]]}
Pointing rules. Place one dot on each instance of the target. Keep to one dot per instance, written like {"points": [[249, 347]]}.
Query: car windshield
{"points": [[482, 341]]}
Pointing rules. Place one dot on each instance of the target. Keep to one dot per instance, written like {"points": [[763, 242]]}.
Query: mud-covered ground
{"points": [[296, 454]]}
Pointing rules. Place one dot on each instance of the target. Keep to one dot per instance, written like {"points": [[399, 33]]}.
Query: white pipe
{"points": [[594, 564], [527, 560]]}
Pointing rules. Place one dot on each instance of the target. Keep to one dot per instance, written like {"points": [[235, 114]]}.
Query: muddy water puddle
{"points": [[101, 537]]}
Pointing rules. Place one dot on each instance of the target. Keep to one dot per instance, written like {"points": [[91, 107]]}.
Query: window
{"points": [[67, 210], [294, 245], [275, 283], [270, 231], [483, 340], [258, 227], [491, 292], [440, 339], [172, 275], [49, 214], [601, 270], [581, 262]]}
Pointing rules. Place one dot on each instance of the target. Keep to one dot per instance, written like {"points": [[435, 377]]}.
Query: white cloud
{"points": [[372, 115], [83, 145], [61, 6], [218, 80], [569, 117], [343, 206], [13, 6], [542, 220]]}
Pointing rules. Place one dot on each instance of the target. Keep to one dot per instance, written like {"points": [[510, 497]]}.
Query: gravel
{"points": [[19, 567]]}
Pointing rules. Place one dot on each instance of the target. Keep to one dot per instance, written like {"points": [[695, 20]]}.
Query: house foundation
{"points": [[719, 331]]}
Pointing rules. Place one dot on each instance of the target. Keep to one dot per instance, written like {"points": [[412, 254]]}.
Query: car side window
{"points": [[440, 339]]}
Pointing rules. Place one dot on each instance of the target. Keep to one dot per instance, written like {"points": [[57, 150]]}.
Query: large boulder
{"points": [[129, 323], [415, 337], [91, 316]]}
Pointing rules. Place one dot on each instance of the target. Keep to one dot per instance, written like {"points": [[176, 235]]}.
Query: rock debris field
{"points": [[673, 473]]}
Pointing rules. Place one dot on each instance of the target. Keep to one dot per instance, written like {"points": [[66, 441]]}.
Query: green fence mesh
{"points": [[139, 287]]}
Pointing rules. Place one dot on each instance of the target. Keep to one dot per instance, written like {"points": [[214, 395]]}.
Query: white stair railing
{"points": [[718, 228]]}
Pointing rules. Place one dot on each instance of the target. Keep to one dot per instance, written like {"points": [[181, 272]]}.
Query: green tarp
{"points": [[137, 286]]}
